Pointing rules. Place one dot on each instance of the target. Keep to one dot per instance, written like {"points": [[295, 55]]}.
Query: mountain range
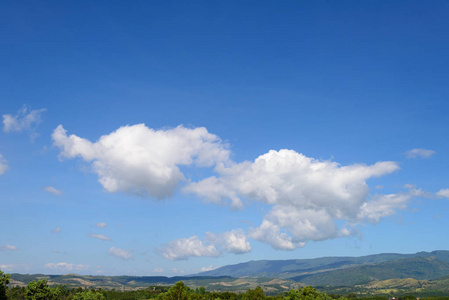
{"points": [[347, 271], [422, 272]]}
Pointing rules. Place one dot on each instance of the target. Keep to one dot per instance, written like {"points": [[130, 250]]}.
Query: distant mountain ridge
{"points": [[419, 268], [327, 270], [423, 272]]}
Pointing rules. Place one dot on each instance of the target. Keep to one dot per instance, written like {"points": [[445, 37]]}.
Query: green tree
{"points": [[40, 291], [177, 292], [4, 281], [16, 293], [89, 295], [256, 294], [307, 293], [201, 291]]}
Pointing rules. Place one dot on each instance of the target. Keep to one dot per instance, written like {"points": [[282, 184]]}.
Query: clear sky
{"points": [[170, 137]]}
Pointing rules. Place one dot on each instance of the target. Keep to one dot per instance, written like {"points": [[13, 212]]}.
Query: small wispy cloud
{"points": [[102, 225], [3, 165], [26, 119], [210, 268], [56, 230], [158, 270], [409, 186], [120, 253], [8, 248], [52, 190], [63, 266], [7, 267], [443, 193], [420, 153], [22, 268], [99, 236]]}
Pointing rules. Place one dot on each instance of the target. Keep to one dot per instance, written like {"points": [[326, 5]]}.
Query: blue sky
{"points": [[166, 138]]}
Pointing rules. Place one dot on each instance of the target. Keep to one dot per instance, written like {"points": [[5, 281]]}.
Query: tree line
{"points": [[40, 290]]}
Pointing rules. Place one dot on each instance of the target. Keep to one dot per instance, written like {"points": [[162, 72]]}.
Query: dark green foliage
{"points": [[307, 293], [376, 298], [16, 293], [88, 295], [41, 291], [256, 294], [177, 292], [4, 281]]}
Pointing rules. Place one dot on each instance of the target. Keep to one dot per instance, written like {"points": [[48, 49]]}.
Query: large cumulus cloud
{"points": [[142, 161], [307, 195], [310, 199]]}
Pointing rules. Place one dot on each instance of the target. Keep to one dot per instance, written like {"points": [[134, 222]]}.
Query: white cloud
{"points": [[158, 270], [120, 253], [210, 268], [19, 268], [310, 199], [142, 161], [8, 248], [308, 195], [382, 206], [99, 236], [182, 249], [25, 119], [418, 152], [234, 241], [63, 266], [270, 233], [443, 193], [7, 267], [56, 230], [409, 186], [3, 165], [52, 190], [102, 225]]}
